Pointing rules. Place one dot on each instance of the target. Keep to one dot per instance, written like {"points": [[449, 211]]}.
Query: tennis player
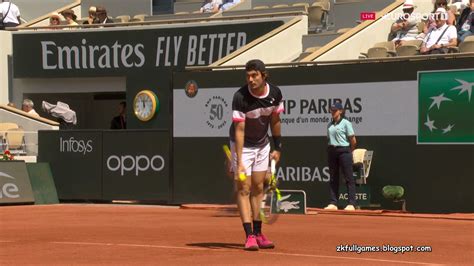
{"points": [[255, 107]]}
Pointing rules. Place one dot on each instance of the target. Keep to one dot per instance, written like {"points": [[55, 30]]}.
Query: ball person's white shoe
{"points": [[349, 208], [331, 207]]}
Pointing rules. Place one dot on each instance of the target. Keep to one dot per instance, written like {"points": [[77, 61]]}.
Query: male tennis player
{"points": [[255, 107]]}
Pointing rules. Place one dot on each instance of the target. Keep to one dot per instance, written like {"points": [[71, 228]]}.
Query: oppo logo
{"points": [[135, 164], [75, 146], [8, 190]]}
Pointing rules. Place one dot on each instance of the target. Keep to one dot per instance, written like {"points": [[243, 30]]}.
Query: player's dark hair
{"points": [[256, 65]]}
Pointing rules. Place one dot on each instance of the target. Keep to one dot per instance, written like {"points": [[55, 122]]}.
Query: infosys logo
{"points": [[135, 164], [72, 145], [8, 190]]}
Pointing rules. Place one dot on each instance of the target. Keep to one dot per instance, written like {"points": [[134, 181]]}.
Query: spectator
{"points": [[10, 15], [101, 16], [465, 24], [92, 15], [226, 4], [70, 17], [405, 28], [431, 24], [210, 6], [460, 4], [440, 38], [28, 106], [54, 20], [119, 122]]}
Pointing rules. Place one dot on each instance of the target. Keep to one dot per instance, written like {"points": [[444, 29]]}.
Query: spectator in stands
{"points": [[460, 4], [431, 24], [9, 14], [226, 4], [102, 17], [120, 122], [442, 37], [70, 17], [92, 15], [465, 24], [405, 28], [54, 20], [210, 6], [28, 106]]}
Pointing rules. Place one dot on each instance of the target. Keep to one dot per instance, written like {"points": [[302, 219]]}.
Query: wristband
{"points": [[277, 142]]}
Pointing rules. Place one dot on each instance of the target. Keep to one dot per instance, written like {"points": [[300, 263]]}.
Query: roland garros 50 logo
{"points": [[216, 109]]}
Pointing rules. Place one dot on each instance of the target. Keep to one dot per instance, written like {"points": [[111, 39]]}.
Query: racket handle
{"points": [[273, 166], [242, 177], [227, 151]]}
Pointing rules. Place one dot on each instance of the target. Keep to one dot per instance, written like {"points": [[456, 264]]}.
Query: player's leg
{"points": [[333, 163], [243, 195], [259, 174], [346, 162]]}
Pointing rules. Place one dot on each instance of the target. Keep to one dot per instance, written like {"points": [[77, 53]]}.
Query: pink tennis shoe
{"points": [[251, 243], [263, 242]]}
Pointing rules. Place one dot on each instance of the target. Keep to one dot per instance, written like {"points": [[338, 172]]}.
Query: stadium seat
{"points": [[343, 30], [409, 48], [15, 141], [139, 17], [325, 4], [362, 160], [466, 46], [307, 52], [301, 4], [280, 6], [4, 127], [260, 7], [378, 52], [317, 17], [469, 38], [123, 19]]}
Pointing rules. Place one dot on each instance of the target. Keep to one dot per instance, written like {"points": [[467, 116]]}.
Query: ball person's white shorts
{"points": [[254, 159]]}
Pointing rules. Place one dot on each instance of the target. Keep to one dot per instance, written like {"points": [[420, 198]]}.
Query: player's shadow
{"points": [[213, 245]]}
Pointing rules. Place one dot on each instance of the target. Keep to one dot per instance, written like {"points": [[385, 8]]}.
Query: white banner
{"points": [[375, 109]]}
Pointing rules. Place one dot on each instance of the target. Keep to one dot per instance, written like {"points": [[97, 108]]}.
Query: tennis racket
{"points": [[269, 215]]}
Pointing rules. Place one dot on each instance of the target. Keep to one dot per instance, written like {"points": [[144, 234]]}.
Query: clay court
{"points": [[136, 234]]}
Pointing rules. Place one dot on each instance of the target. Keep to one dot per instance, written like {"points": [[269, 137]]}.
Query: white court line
{"points": [[260, 252]]}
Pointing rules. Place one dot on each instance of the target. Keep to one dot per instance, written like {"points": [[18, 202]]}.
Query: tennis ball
{"points": [[242, 177]]}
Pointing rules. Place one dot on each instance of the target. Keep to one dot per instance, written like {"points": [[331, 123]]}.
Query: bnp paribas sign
{"points": [[446, 107]]}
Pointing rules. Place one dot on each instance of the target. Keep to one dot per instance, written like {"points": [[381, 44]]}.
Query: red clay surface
{"points": [[119, 234]]}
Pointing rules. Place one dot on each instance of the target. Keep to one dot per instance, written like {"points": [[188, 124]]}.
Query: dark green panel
{"points": [[433, 181], [75, 158], [199, 171], [157, 81], [126, 51], [136, 165], [42, 183]]}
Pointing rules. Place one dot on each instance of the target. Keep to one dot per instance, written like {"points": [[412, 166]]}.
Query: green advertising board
{"points": [[122, 51], [15, 186], [75, 158], [445, 107], [136, 165]]}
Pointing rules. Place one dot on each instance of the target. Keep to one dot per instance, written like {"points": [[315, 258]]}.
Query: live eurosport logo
{"points": [[8, 189]]}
